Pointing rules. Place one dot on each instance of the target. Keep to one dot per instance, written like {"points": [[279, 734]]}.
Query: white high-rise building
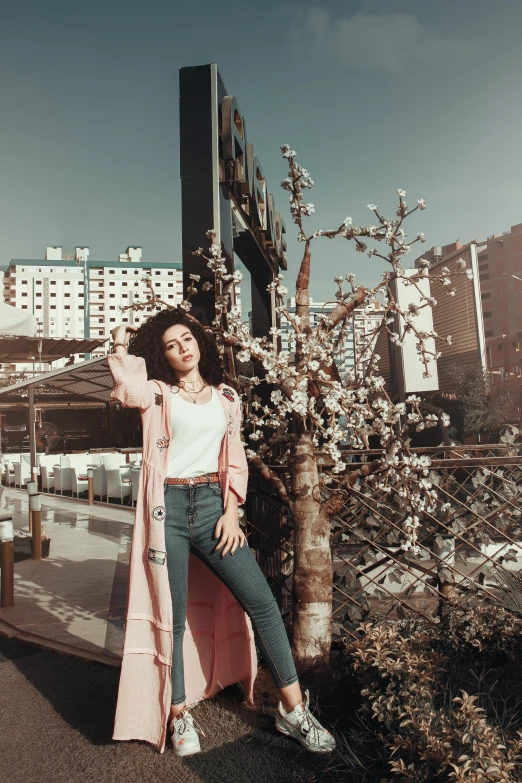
{"points": [[359, 332], [72, 296]]}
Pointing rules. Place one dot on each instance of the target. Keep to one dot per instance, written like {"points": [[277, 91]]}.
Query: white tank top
{"points": [[197, 432]]}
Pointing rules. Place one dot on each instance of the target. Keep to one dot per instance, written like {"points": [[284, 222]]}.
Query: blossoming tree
{"points": [[300, 429]]}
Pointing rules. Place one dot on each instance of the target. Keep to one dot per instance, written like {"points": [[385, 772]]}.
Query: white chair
{"points": [[46, 461], [62, 475], [78, 464], [115, 486], [11, 461], [135, 482], [95, 459], [100, 482], [113, 460], [78, 484], [6, 472], [47, 474], [22, 471]]}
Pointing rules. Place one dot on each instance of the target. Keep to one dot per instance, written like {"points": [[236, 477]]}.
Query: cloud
{"points": [[392, 42]]}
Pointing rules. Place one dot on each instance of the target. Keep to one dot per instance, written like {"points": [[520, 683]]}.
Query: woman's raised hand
{"points": [[120, 333]]}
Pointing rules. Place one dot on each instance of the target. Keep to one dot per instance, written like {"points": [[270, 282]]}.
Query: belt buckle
{"points": [[191, 481]]}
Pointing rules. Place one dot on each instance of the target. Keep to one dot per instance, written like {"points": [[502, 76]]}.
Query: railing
{"points": [[461, 547]]}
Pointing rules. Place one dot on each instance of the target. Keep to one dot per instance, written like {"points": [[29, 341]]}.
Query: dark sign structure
{"points": [[223, 188]]}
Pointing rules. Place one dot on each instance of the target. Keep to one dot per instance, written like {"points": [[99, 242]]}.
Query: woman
{"points": [[193, 599]]}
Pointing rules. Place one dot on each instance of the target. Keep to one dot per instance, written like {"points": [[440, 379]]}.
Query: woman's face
{"points": [[181, 348]]}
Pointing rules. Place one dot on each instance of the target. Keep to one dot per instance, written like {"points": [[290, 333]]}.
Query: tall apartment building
{"points": [[500, 270], [459, 316], [361, 328], [72, 296]]}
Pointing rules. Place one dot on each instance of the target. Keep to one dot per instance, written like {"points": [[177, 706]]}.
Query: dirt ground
{"points": [[56, 719]]}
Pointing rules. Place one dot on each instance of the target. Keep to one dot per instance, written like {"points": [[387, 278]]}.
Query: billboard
{"points": [[223, 188]]}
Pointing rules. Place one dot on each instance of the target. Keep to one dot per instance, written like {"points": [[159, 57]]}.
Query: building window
{"points": [[514, 344], [24, 307], [112, 272], [112, 307], [66, 294], [487, 295], [53, 282], [67, 282], [38, 307], [38, 282], [38, 294], [100, 320], [67, 307], [112, 296], [124, 283], [53, 307], [489, 333], [170, 285], [80, 308], [500, 347], [170, 273], [487, 314], [112, 320], [484, 276], [112, 283], [53, 294], [157, 273]]}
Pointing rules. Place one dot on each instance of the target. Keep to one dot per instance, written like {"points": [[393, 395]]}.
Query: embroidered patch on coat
{"points": [[228, 393], [231, 422], [156, 556], [163, 443], [159, 399], [159, 513]]}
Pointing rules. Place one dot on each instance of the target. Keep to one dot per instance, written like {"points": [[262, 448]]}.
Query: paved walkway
{"points": [[73, 600]]}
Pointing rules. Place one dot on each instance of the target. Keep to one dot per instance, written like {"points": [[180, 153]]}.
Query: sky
{"points": [[375, 95]]}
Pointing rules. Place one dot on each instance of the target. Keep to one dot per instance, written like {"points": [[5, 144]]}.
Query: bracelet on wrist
{"points": [[115, 345]]}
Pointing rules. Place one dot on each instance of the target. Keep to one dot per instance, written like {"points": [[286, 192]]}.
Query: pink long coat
{"points": [[218, 647]]}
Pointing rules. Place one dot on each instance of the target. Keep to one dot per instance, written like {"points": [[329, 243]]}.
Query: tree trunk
{"points": [[312, 577]]}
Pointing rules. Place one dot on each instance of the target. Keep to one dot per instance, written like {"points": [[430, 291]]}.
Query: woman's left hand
{"points": [[231, 534]]}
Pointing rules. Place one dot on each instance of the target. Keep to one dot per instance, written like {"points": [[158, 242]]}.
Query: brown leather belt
{"points": [[207, 477]]}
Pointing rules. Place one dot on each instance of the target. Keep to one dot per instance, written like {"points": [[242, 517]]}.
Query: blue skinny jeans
{"points": [[192, 512]]}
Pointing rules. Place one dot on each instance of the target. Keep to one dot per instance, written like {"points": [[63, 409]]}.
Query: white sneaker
{"points": [[184, 739], [304, 727]]}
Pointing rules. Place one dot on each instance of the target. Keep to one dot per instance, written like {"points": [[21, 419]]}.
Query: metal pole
{"points": [[7, 562], [32, 489], [35, 502], [32, 430], [444, 548], [86, 304]]}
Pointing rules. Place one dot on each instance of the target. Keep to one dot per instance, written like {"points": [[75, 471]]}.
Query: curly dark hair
{"points": [[146, 342]]}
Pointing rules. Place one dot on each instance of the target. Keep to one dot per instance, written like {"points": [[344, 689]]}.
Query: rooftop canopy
{"points": [[91, 379], [18, 348]]}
